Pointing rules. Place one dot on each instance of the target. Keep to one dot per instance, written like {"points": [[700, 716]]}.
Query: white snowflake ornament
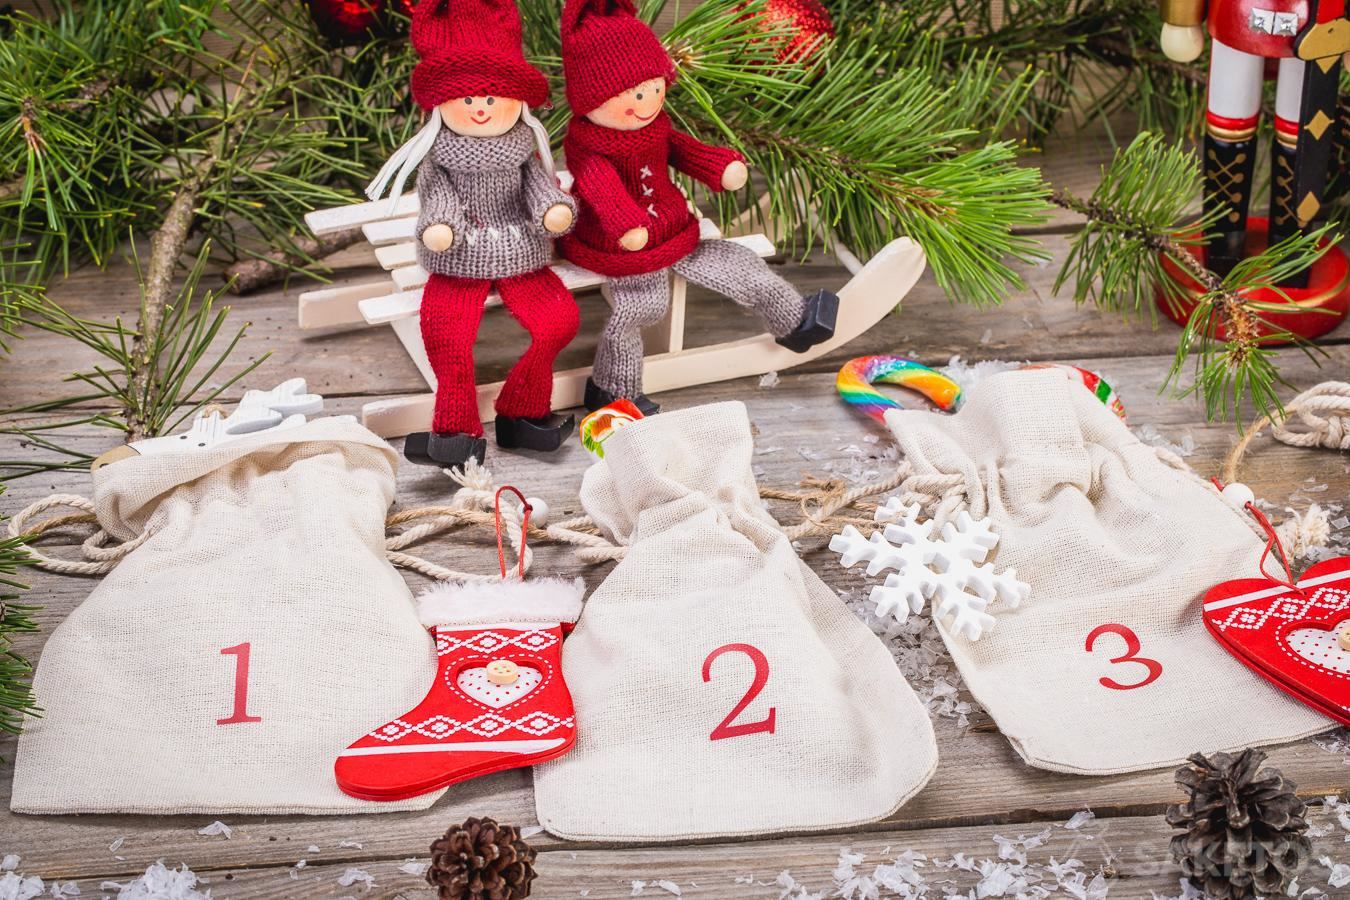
{"points": [[949, 571]]}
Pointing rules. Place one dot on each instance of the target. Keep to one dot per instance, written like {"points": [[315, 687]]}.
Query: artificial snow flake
{"points": [[414, 867], [63, 890], [350, 844], [312, 848], [1340, 872], [160, 883], [116, 845], [950, 571], [769, 380], [1080, 818], [352, 876], [16, 887], [637, 887], [10, 862], [216, 828], [670, 887]]}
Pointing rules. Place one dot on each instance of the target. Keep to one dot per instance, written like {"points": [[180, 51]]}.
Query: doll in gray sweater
{"points": [[490, 208]]}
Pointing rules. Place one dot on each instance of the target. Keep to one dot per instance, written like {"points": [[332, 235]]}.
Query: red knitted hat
{"points": [[606, 50], [472, 48]]}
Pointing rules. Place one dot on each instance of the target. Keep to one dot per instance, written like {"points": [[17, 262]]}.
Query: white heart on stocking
{"points": [[475, 683], [1321, 648]]}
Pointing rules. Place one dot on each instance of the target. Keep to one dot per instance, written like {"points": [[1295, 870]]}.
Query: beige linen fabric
{"points": [[1111, 537], [275, 540], [707, 567]]}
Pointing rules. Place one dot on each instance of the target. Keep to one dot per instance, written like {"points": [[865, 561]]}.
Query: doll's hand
{"points": [[735, 176], [634, 239], [1183, 43], [558, 218], [438, 238]]}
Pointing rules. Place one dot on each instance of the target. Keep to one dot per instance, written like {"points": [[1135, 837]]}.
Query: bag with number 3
{"points": [[721, 688], [1108, 668], [225, 661]]}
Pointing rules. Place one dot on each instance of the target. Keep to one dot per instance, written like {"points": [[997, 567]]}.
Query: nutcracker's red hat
{"points": [[472, 48], [606, 50]]}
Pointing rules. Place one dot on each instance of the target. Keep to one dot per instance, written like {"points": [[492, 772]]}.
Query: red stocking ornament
{"points": [[499, 700]]}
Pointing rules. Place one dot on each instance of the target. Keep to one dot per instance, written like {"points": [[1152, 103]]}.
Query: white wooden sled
{"points": [[875, 290]]}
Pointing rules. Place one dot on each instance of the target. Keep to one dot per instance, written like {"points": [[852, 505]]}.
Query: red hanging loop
{"points": [[1272, 543], [524, 528]]}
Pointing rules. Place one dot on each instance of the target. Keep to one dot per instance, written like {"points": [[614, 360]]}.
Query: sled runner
{"points": [[874, 291]]}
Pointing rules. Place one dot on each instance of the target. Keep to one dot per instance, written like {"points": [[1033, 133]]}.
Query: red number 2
{"points": [[239, 714], [1131, 655], [725, 728]]}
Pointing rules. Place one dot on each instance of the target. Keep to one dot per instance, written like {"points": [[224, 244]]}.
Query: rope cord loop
{"points": [[1322, 411]]}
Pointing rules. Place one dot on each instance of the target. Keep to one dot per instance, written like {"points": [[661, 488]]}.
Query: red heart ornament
{"points": [[1290, 637]]}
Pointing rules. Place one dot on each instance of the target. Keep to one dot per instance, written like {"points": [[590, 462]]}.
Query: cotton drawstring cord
{"points": [[99, 558], [1323, 412], [826, 506]]}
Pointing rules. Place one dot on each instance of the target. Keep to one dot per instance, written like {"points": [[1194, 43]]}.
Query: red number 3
{"points": [[725, 728], [1131, 655]]}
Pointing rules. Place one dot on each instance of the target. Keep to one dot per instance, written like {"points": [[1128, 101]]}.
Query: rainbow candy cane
{"points": [[856, 378]]}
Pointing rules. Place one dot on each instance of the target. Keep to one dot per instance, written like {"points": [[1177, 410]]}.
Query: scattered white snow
{"points": [[216, 828], [353, 876], [160, 883], [414, 867]]}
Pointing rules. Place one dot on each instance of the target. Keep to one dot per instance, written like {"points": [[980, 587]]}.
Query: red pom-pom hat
{"points": [[606, 50], [472, 48]]}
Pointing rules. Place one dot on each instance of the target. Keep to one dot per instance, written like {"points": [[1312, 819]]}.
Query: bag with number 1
{"points": [[1108, 668], [225, 661], [720, 687]]}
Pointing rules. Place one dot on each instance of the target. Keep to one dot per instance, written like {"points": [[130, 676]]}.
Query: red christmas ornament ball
{"points": [[348, 22], [807, 21]]}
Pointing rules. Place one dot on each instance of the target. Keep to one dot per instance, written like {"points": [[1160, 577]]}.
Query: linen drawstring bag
{"points": [[1108, 668], [229, 657], [721, 688]]}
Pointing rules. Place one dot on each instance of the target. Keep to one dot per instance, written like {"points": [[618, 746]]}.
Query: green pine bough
{"points": [[1115, 261], [16, 694], [207, 128]]}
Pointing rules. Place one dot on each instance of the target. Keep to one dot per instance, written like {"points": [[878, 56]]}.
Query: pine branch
{"points": [[1133, 222], [16, 694], [266, 269]]}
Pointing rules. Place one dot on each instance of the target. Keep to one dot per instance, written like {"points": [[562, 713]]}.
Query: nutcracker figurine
{"points": [[1302, 40]]}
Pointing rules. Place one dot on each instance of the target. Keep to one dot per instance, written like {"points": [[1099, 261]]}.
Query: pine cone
{"points": [[1244, 828], [481, 860]]}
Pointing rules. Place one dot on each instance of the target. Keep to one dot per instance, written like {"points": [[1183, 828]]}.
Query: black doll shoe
{"points": [[546, 433], [598, 398], [817, 325], [444, 450]]}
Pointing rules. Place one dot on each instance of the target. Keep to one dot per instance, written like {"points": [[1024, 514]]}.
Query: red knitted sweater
{"points": [[622, 179]]}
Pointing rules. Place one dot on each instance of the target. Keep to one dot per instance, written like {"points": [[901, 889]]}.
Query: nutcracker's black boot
{"points": [[546, 433], [1230, 163], [817, 325], [444, 450], [598, 398], [1284, 222]]}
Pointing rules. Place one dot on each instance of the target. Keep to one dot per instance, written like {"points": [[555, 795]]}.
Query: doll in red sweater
{"points": [[490, 208], [634, 222]]}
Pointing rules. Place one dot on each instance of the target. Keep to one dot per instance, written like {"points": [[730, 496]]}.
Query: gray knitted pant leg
{"points": [[639, 301], [736, 272]]}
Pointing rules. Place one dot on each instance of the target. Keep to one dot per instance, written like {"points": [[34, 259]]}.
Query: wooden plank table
{"points": [[981, 790]]}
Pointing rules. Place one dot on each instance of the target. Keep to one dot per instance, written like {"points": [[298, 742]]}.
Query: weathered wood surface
{"points": [[981, 787]]}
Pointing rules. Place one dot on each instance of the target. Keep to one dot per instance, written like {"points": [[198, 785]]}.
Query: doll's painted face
{"points": [[481, 116], [633, 109]]}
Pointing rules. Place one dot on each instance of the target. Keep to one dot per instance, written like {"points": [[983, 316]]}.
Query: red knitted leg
{"points": [[546, 309], [452, 309]]}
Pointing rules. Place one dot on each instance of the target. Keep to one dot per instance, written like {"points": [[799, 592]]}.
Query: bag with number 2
{"points": [[721, 688]]}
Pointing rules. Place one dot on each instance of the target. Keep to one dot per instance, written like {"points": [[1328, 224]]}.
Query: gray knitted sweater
{"points": [[494, 193]]}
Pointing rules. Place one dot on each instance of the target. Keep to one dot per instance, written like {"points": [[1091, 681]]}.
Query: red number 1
{"points": [[239, 714], [1132, 648]]}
